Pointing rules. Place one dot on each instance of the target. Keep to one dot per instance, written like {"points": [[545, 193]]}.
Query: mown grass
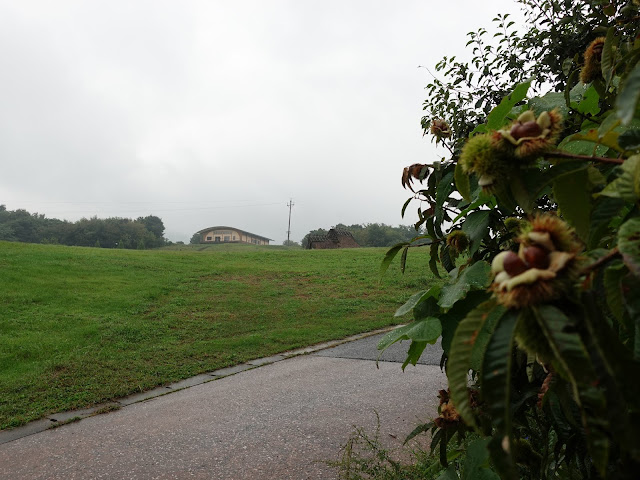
{"points": [[80, 326]]}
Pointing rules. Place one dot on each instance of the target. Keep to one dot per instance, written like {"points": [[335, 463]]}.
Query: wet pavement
{"points": [[282, 417]]}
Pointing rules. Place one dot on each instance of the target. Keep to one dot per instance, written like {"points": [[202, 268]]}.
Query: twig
{"points": [[601, 261], [436, 240], [557, 154]]}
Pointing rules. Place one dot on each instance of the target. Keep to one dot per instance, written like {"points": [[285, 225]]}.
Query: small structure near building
{"points": [[222, 234], [333, 239]]}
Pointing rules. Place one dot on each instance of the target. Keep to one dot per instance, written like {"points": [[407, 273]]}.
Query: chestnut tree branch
{"points": [[558, 154], [601, 261]]}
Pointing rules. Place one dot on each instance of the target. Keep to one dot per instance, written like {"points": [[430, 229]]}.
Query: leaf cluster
{"points": [[550, 349]]}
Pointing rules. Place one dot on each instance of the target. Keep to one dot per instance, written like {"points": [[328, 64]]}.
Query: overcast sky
{"points": [[218, 112]]}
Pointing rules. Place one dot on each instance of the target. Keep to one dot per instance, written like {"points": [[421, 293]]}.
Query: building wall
{"points": [[339, 241], [230, 236]]}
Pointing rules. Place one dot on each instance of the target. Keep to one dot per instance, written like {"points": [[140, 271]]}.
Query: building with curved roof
{"points": [[224, 234]]}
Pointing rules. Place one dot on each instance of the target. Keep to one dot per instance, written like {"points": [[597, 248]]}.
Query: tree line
{"points": [[370, 234], [141, 233]]}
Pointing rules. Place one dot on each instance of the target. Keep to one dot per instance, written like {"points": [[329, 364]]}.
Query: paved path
{"points": [[279, 421]]}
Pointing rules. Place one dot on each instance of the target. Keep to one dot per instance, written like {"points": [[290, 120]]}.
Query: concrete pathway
{"points": [[282, 420]]}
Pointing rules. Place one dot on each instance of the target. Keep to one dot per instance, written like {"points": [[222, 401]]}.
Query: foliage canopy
{"points": [[22, 226]]}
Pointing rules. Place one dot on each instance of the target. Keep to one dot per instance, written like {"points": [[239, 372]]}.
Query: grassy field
{"points": [[80, 326]]}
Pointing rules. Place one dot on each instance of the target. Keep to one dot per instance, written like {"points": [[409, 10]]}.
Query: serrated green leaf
{"points": [[459, 361], [569, 351], [482, 128], [415, 299], [630, 288], [462, 182], [404, 207], [497, 116], [484, 336], [548, 102], [573, 90], [458, 312], [429, 225], [413, 354], [608, 125], [582, 147], [477, 276], [572, 192], [390, 255], [630, 139], [476, 226], [496, 372], [476, 465], [627, 185], [444, 189], [425, 427], [502, 460], [596, 178], [613, 290], [607, 59], [427, 330], [483, 199], [605, 209], [573, 362], [536, 180], [426, 308], [521, 193], [609, 139], [449, 474], [446, 260], [589, 105], [433, 259], [567, 64], [614, 368], [629, 96], [629, 244], [403, 259]]}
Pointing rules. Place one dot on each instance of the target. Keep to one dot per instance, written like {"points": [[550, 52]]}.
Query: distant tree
{"points": [[22, 226], [371, 234], [195, 239], [7, 233], [156, 227], [290, 243]]}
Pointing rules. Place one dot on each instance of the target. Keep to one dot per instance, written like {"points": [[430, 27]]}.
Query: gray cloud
{"points": [[218, 112]]}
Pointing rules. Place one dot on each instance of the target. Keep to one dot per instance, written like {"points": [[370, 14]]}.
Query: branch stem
{"points": [[601, 261], [558, 154]]}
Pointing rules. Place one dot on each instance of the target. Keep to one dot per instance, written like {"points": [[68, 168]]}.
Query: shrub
{"points": [[540, 322]]}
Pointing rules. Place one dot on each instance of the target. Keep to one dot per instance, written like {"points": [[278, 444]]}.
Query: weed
{"points": [[364, 457], [64, 422], [112, 407]]}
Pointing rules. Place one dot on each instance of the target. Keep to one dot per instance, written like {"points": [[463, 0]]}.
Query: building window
{"points": [[209, 238], [234, 237], [227, 238]]}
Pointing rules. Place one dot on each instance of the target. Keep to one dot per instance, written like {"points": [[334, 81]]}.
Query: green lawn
{"points": [[80, 326]]}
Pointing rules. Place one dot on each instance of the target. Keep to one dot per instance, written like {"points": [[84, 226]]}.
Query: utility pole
{"points": [[290, 205]]}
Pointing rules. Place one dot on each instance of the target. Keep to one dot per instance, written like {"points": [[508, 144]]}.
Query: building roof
{"points": [[223, 227], [333, 235]]}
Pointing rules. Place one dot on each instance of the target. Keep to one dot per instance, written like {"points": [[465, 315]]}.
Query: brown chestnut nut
{"points": [[513, 264], [536, 257], [527, 129]]}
